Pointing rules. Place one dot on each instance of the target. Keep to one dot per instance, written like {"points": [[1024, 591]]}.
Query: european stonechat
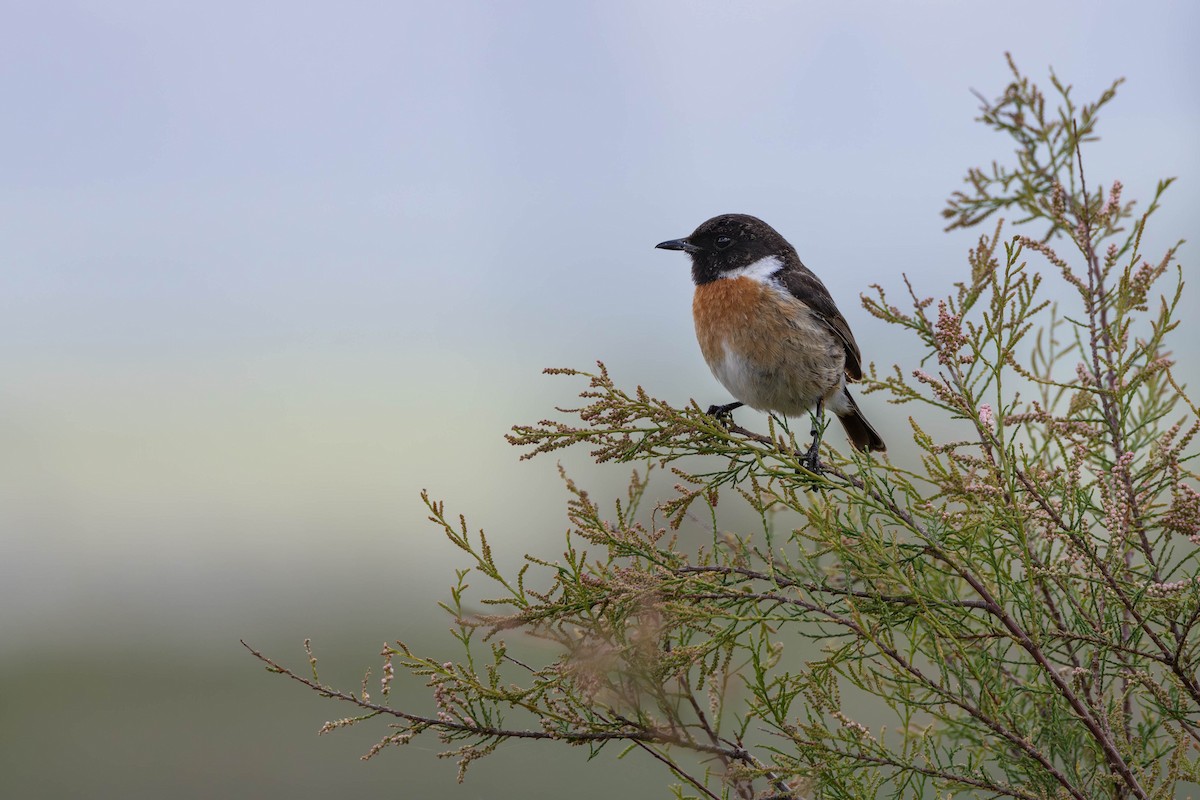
{"points": [[769, 329]]}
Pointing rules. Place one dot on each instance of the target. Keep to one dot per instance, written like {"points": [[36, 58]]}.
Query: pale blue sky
{"points": [[268, 269]]}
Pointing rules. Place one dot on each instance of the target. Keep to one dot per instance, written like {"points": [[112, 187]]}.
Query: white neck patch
{"points": [[762, 270]]}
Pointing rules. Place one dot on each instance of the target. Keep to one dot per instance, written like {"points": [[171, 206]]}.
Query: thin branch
{"points": [[1001, 789], [676, 769], [779, 580], [484, 731]]}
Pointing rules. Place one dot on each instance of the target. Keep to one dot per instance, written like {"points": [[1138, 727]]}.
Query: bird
{"points": [[769, 328]]}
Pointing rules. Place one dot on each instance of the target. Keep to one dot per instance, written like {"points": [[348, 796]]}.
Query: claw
{"points": [[724, 412], [812, 459]]}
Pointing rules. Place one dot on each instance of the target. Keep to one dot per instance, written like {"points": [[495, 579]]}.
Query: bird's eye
{"points": [[723, 242]]}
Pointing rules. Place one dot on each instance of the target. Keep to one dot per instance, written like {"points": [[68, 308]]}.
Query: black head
{"points": [[727, 243]]}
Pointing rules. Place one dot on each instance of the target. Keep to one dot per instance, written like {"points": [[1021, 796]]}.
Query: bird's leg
{"points": [[817, 419], [725, 411], [811, 460]]}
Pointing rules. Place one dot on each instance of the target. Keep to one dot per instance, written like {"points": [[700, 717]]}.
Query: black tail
{"points": [[859, 431]]}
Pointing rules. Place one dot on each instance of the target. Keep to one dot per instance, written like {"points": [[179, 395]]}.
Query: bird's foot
{"points": [[723, 413], [811, 460]]}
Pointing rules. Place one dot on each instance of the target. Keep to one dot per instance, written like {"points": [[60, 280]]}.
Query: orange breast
{"points": [[739, 314]]}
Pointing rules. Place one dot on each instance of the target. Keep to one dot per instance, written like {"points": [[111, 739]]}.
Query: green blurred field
{"points": [[154, 723]]}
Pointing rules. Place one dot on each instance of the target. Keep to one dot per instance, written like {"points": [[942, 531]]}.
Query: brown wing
{"points": [[807, 287]]}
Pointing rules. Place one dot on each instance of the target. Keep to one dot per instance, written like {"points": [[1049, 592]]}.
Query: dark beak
{"points": [[678, 244]]}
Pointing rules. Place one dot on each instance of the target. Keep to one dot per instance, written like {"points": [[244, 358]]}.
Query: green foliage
{"points": [[1018, 604]]}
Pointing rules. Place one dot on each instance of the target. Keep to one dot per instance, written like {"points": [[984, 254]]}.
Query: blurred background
{"points": [[269, 269]]}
